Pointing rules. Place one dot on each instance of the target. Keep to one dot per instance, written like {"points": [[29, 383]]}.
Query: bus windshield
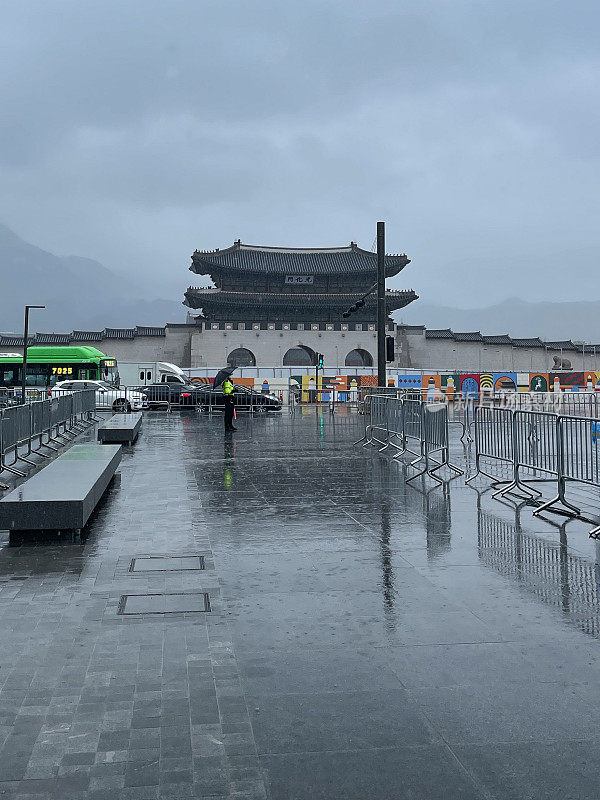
{"points": [[108, 371]]}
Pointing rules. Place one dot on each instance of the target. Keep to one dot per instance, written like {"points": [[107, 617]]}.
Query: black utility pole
{"points": [[381, 315], [25, 338]]}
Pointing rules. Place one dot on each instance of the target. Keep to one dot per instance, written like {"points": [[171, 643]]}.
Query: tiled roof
{"points": [[442, 333], [88, 336], [200, 298], [53, 338], [8, 340], [472, 336], [502, 338], [141, 330], [15, 341], [535, 342], [119, 333], [294, 261], [564, 345]]}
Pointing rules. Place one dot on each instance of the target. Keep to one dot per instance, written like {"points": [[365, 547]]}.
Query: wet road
{"points": [[365, 639]]}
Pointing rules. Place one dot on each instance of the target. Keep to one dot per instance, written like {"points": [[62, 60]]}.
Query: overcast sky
{"points": [[134, 131]]}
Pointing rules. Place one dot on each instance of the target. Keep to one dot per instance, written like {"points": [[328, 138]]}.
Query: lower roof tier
{"points": [[217, 304]]}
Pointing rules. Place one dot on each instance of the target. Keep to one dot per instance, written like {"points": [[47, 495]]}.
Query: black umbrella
{"points": [[222, 375]]}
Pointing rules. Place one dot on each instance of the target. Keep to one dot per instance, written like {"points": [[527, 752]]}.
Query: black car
{"points": [[205, 397], [176, 394], [245, 399]]}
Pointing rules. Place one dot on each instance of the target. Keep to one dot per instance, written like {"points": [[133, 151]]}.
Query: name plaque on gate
{"points": [[299, 279]]}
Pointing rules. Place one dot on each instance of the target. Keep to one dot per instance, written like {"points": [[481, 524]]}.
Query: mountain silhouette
{"points": [[79, 293]]}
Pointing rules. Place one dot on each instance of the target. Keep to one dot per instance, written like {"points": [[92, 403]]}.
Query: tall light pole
{"points": [[25, 338], [381, 315]]}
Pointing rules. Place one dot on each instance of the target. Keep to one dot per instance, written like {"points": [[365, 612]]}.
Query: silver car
{"points": [[106, 395]]}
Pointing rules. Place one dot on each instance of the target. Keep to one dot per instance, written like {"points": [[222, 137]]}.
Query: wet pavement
{"points": [[276, 614]]}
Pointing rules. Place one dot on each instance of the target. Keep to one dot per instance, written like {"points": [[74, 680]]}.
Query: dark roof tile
{"points": [[88, 336], [119, 333], [531, 342], [567, 344], [469, 336], [442, 333], [502, 338], [145, 330], [293, 261], [53, 338]]}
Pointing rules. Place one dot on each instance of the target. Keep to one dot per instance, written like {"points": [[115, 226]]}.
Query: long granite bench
{"points": [[62, 496], [122, 428]]}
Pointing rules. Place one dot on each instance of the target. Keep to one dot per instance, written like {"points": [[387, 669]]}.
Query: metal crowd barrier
{"points": [[403, 422], [551, 447], [42, 425]]}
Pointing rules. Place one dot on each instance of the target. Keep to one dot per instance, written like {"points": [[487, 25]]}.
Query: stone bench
{"points": [[121, 429], [62, 496]]}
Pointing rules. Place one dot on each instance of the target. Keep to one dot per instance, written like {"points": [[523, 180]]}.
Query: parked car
{"points": [[177, 394], [245, 399], [106, 395], [205, 397]]}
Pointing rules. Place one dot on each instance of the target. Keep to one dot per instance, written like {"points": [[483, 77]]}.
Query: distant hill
{"points": [[79, 293], [579, 321]]}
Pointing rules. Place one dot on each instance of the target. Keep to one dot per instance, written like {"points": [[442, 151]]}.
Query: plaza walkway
{"points": [[365, 639]]}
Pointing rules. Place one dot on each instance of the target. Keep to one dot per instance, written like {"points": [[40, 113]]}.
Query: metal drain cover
{"points": [[166, 563], [182, 603]]}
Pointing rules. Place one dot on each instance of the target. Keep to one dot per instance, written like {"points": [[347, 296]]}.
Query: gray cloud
{"points": [[134, 132]]}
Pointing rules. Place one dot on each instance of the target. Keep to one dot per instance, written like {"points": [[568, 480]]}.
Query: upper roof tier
{"points": [[294, 260]]}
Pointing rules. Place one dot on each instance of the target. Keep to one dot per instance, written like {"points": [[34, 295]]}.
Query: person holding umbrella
{"points": [[228, 390], [223, 378]]}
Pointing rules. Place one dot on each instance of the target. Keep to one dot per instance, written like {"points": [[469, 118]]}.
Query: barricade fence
{"points": [[539, 446], [462, 405], [410, 425], [40, 426]]}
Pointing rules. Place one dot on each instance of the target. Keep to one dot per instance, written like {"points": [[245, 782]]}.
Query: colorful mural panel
{"points": [[469, 383], [538, 381], [486, 381], [413, 381], [523, 381], [505, 381], [568, 380], [432, 386], [450, 384], [368, 380]]}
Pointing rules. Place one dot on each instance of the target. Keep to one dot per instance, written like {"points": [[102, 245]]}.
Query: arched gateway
{"points": [[300, 356], [241, 357], [359, 358]]}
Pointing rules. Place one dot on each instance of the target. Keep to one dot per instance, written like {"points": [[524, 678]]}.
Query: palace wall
{"points": [[211, 347], [191, 346], [448, 354]]}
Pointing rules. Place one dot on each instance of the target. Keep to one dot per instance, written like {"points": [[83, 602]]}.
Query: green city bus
{"points": [[47, 366]]}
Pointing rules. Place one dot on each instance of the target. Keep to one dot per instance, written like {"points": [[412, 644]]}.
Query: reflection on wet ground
{"points": [[366, 638]]}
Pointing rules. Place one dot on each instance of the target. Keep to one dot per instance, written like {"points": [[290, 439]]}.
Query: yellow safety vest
{"points": [[228, 388]]}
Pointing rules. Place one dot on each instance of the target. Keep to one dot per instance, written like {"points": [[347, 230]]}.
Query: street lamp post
{"points": [[381, 310], [25, 338]]}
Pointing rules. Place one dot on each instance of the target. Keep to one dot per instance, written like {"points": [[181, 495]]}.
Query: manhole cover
{"points": [[166, 563], [181, 603]]}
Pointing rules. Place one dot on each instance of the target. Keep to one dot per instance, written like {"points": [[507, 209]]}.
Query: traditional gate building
{"points": [[273, 306]]}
